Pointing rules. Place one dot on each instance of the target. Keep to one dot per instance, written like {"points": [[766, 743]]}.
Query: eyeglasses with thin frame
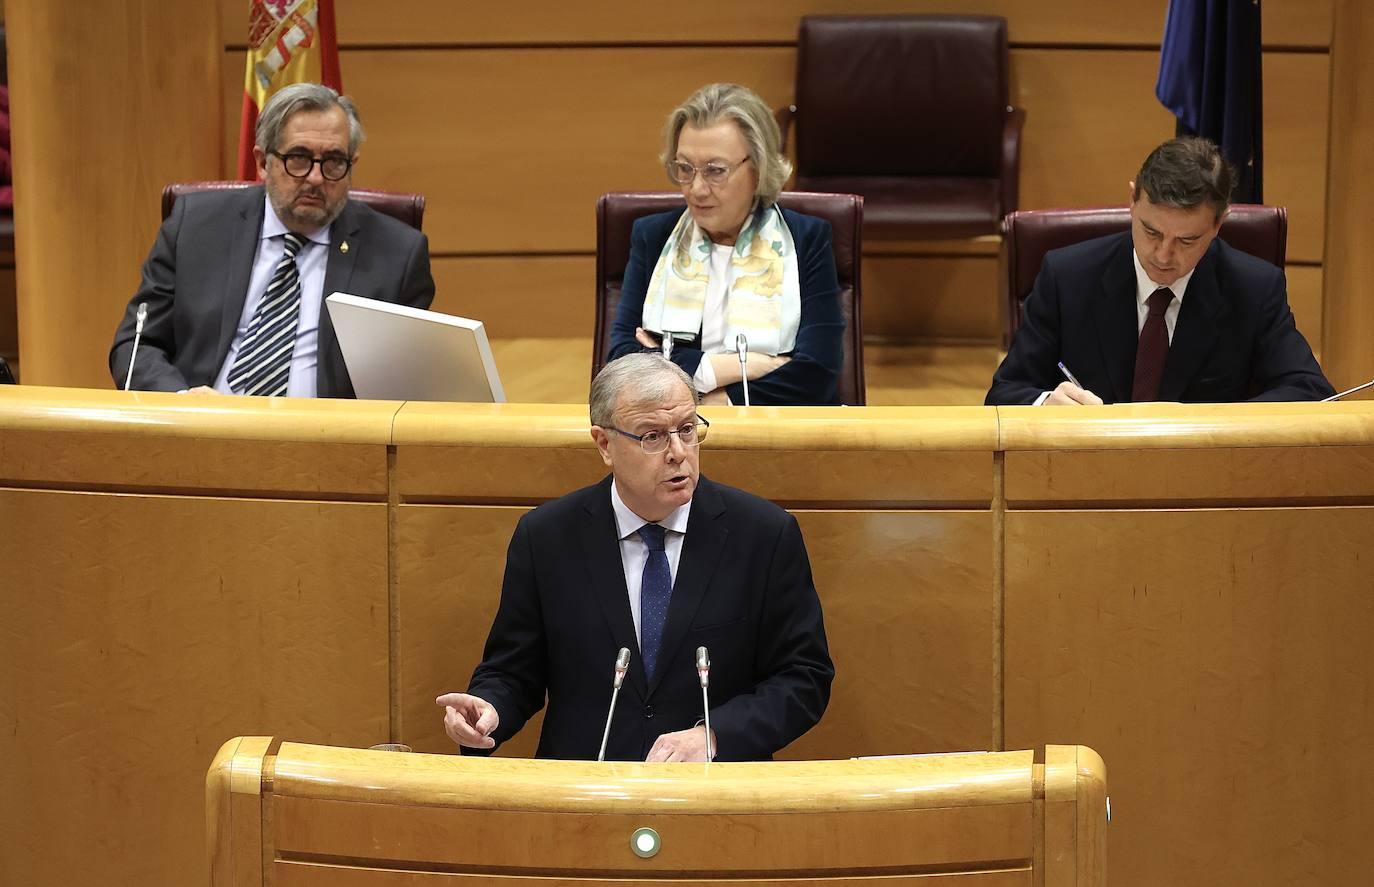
{"points": [[681, 172], [298, 165], [689, 434]]}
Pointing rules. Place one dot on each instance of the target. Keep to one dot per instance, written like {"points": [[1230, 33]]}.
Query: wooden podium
{"points": [[295, 815]]}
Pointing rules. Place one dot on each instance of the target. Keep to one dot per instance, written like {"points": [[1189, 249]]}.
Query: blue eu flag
{"points": [[1209, 77]]}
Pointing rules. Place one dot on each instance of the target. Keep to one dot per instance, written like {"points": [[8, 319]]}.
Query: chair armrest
{"points": [[1011, 158], [784, 117]]}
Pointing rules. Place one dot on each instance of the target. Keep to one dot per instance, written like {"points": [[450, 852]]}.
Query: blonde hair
{"points": [[716, 102]]}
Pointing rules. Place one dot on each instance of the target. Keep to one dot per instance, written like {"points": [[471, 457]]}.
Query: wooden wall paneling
{"points": [[512, 147], [1305, 298], [909, 612], [1091, 117], [1296, 105], [180, 465], [520, 296], [503, 475], [449, 561], [159, 124], [140, 633], [839, 477], [1217, 660], [1348, 285], [1213, 475], [931, 298], [1286, 22]]}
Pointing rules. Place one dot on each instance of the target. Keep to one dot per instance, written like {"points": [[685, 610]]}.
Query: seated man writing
{"points": [[1165, 312]]}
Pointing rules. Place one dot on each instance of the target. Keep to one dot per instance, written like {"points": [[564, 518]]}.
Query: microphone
{"points": [[622, 664], [1347, 391], [704, 673], [742, 350], [138, 334]]}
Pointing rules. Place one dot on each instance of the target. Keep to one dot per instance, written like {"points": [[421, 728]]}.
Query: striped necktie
{"points": [[263, 364]]}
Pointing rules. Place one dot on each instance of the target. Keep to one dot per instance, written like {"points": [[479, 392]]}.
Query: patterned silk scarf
{"points": [[763, 298]]}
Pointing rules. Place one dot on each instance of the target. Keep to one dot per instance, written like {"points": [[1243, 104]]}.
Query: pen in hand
{"points": [[1068, 375]]}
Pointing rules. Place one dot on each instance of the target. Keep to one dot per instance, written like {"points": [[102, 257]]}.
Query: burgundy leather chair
{"points": [[408, 208], [616, 214], [910, 111], [1261, 231]]}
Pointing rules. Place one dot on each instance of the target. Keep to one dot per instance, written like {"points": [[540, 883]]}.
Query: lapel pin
{"points": [[343, 247]]}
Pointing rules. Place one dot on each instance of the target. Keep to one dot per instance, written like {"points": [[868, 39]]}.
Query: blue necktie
{"points": [[654, 590]]}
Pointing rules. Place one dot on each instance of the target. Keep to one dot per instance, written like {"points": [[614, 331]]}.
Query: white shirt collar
{"points": [[1144, 286], [627, 523], [272, 226]]}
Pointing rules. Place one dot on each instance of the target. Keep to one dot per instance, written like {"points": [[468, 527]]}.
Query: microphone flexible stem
{"points": [[606, 734], [129, 379], [1347, 391], [706, 708]]}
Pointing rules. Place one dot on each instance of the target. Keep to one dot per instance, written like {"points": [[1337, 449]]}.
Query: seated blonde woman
{"points": [[734, 262]]}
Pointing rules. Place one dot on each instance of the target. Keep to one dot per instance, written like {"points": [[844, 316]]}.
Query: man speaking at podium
{"points": [[659, 560]]}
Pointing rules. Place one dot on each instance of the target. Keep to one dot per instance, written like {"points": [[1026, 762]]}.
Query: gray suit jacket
{"points": [[195, 281]]}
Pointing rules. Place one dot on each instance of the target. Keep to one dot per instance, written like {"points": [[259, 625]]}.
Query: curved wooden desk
{"points": [[1185, 589], [288, 814]]}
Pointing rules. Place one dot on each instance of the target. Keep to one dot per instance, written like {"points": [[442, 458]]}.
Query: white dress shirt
{"points": [[310, 265], [1145, 287], [634, 553]]}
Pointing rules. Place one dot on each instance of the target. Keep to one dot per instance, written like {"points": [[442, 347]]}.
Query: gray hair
{"points": [[1184, 173], [297, 97], [729, 101], [643, 377]]}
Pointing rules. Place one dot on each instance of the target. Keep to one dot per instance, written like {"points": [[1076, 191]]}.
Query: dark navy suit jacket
{"points": [[812, 376], [195, 281], [743, 590], [1234, 340]]}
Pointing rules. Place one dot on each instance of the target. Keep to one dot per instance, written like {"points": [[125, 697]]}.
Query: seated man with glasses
{"points": [[236, 280], [658, 560], [734, 262]]}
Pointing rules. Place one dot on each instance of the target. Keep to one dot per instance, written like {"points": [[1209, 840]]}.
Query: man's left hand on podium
{"points": [[684, 745]]}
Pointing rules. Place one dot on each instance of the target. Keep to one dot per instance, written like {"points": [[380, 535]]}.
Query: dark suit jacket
{"points": [[743, 590], [1234, 339], [812, 376], [195, 281]]}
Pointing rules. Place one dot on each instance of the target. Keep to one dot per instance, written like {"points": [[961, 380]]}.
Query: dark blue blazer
{"points": [[812, 376], [1234, 340], [743, 590]]}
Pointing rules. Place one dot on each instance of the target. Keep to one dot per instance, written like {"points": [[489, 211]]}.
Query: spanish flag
{"points": [[289, 41]]}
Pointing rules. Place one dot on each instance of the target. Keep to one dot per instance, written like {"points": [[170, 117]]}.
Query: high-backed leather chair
{"points": [[616, 213], [408, 208], [1261, 231], [910, 111]]}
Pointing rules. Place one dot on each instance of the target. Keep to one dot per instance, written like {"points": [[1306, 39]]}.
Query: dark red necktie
{"points": [[1153, 348]]}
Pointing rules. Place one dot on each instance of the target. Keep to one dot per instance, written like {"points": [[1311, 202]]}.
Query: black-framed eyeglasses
{"points": [[682, 173], [690, 434], [298, 164]]}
